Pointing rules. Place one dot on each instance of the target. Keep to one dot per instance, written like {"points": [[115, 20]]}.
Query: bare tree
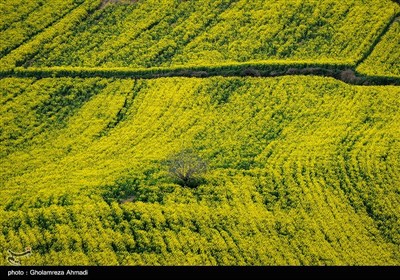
{"points": [[187, 168]]}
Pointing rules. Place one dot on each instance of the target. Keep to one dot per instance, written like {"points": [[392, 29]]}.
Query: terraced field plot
{"points": [[306, 166], [164, 33]]}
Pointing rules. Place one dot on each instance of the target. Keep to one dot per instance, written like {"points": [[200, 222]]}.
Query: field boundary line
{"points": [[343, 71]]}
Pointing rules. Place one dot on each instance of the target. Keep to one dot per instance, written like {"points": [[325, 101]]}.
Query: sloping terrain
{"points": [[170, 32], [385, 57], [95, 96], [21, 20], [302, 170]]}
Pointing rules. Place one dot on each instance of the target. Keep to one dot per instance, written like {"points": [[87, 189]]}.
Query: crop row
{"points": [[385, 58], [32, 18], [34, 45]]}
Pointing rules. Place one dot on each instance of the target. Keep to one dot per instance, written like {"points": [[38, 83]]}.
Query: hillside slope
{"points": [[302, 170], [385, 58], [170, 32], [21, 20]]}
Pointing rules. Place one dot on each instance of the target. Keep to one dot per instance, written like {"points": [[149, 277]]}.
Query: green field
{"points": [[301, 170]]}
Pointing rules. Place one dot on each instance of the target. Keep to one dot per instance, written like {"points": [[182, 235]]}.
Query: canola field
{"points": [[303, 171], [303, 159]]}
